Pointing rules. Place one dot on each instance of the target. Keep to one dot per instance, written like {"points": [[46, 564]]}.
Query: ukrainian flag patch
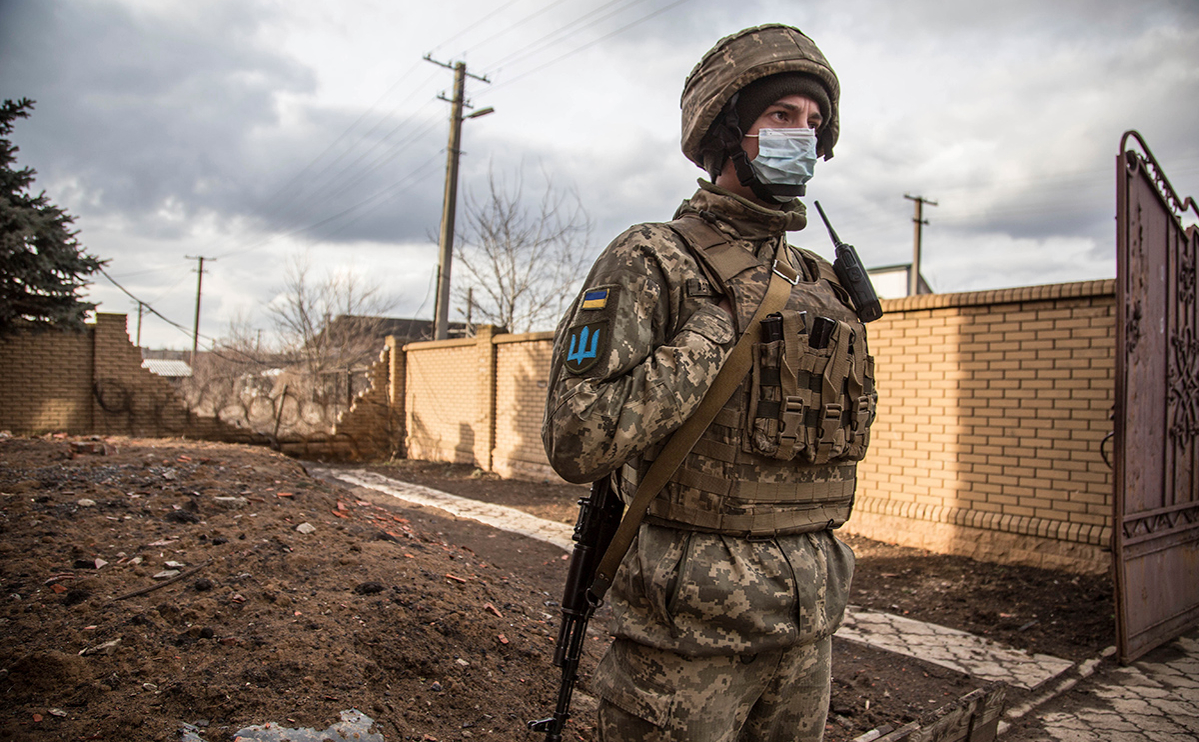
{"points": [[595, 299]]}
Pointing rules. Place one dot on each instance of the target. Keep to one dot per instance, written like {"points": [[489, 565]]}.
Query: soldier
{"points": [[724, 607]]}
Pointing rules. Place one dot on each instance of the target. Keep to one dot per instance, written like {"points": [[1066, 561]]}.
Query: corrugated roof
{"points": [[167, 368]]}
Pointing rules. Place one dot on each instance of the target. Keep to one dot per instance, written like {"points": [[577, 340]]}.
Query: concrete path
{"points": [[496, 516]]}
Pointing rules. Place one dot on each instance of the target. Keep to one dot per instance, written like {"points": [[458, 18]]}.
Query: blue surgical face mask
{"points": [[785, 156]]}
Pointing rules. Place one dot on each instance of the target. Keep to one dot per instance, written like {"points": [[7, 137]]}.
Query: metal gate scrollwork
{"points": [[1156, 533]]}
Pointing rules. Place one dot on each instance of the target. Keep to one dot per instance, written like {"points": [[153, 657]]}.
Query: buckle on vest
{"points": [[792, 279], [792, 418], [830, 423], [861, 417]]}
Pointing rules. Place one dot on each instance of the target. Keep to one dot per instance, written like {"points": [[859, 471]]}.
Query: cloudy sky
{"points": [[259, 132]]}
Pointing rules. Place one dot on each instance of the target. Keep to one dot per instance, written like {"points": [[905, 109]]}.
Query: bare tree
{"points": [[232, 380], [328, 323], [522, 255]]}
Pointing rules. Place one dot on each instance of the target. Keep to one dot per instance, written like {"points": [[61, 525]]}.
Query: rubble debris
{"points": [[354, 725], [106, 648], [165, 581]]}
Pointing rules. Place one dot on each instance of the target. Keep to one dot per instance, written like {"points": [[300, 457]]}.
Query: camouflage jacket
{"points": [[639, 347]]}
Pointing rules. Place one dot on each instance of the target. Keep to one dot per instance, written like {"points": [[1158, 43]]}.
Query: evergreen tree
{"points": [[42, 265]]}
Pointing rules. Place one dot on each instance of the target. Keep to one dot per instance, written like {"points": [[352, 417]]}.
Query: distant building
{"points": [[171, 369], [892, 281]]}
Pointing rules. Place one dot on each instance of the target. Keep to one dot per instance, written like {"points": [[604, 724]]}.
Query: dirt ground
{"points": [[296, 599]]}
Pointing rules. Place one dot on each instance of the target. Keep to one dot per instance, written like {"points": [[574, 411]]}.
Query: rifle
{"points": [[853, 276], [599, 516]]}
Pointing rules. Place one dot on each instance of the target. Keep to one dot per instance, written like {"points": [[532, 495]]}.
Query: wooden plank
{"points": [[972, 718]]}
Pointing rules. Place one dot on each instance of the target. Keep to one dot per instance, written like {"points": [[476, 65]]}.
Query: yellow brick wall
{"points": [[992, 408], [442, 401], [522, 368], [45, 382], [92, 382]]}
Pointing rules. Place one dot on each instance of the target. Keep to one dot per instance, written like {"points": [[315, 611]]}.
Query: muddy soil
{"points": [[149, 584]]}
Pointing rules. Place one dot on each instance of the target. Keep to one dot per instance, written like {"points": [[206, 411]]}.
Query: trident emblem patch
{"points": [[584, 346]]}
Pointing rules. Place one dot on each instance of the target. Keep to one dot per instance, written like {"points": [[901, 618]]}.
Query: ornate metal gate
{"points": [[1156, 530]]}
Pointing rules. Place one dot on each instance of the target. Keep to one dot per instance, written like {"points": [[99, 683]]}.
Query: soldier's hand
{"points": [[726, 305]]}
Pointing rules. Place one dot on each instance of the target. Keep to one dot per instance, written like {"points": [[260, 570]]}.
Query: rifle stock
{"points": [[599, 516]]}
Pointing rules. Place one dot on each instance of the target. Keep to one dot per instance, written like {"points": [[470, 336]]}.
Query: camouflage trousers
{"points": [[776, 696], [722, 639]]}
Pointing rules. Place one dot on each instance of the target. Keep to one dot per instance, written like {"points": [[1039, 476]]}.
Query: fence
{"points": [[93, 383], [993, 407]]}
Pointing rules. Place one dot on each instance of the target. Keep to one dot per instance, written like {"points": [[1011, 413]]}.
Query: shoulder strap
{"points": [[735, 367], [712, 247]]}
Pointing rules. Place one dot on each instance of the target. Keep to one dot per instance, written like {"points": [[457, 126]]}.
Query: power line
{"points": [[518, 24], [590, 44], [313, 186], [340, 137], [168, 320], [376, 196], [419, 175], [536, 47], [476, 24], [395, 152], [147, 305]]}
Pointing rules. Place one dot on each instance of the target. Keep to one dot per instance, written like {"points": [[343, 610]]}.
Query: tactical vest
{"points": [[781, 456]]}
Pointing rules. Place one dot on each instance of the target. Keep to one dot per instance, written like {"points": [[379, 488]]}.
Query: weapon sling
{"points": [[732, 373]]}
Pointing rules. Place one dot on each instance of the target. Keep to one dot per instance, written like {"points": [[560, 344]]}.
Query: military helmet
{"points": [[740, 59]]}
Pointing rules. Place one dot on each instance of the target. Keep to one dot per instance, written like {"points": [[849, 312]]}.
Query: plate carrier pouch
{"points": [[780, 457]]}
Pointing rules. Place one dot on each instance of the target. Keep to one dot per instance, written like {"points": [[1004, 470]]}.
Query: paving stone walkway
{"points": [[1154, 700], [958, 650]]}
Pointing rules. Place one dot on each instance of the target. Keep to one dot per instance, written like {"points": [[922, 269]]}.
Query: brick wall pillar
{"points": [[397, 362], [114, 360], [396, 385], [485, 430]]}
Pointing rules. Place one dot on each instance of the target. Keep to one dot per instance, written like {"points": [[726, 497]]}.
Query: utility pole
{"points": [[140, 306], [914, 276], [196, 327], [445, 246]]}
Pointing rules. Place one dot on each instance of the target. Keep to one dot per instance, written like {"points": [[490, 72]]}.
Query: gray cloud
{"points": [[141, 112], [214, 127]]}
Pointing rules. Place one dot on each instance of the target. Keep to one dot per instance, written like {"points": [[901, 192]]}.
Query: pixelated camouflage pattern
{"points": [[666, 345], [706, 594], [666, 342], [665, 348], [715, 602], [711, 490], [777, 696], [738, 60]]}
